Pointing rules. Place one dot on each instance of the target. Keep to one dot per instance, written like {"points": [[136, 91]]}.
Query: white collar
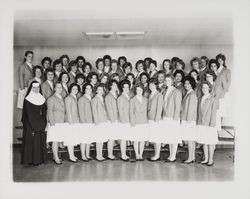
{"points": [[219, 69], [139, 98], [58, 95], [153, 93], [202, 69], [35, 98], [50, 84], [126, 95], [74, 74], [58, 73], [100, 97], [29, 64], [38, 79], [73, 95], [114, 94], [87, 96]]}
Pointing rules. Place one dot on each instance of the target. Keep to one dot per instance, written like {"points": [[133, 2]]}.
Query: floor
{"points": [[222, 170]]}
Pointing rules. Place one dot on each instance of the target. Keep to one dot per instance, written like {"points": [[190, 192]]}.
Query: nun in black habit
{"points": [[34, 121]]}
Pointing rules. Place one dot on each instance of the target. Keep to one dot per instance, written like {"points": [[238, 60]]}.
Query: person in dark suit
{"points": [[34, 121]]}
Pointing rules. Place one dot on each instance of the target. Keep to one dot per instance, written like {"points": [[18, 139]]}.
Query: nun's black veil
{"points": [[30, 87]]}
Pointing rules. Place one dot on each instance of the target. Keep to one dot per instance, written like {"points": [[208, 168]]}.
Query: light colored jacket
{"points": [[111, 107], [71, 109], [138, 111], [98, 110], [155, 107], [189, 107], [123, 108], [56, 110], [25, 73], [46, 90], [85, 110], [207, 111], [222, 83], [172, 107]]}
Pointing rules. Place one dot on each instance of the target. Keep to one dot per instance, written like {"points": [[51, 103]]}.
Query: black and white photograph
{"points": [[105, 97]]}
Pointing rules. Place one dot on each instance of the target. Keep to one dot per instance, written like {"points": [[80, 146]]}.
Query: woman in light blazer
{"points": [[112, 113], [64, 79], [155, 107], [206, 121], [100, 120], [56, 114], [86, 118], [48, 85], [37, 75], [72, 118], [123, 113], [189, 116], [171, 117], [139, 121]]}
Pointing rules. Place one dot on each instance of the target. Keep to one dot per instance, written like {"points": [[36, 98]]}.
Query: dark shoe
{"points": [[170, 161], [193, 161], [141, 159], [125, 160], [57, 163], [210, 164], [108, 158], [90, 158], [74, 161], [84, 160], [154, 160]]}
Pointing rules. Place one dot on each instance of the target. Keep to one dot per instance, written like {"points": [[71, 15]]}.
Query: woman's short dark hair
{"points": [[126, 65], [102, 85], [144, 74], [97, 62], [80, 75], [104, 74], [213, 61], [130, 74], [80, 58], [71, 64], [122, 83], [61, 74], [64, 56], [56, 62], [72, 85], [46, 59], [180, 72], [110, 83], [205, 58], [85, 86], [114, 75], [139, 62], [90, 75], [194, 59], [139, 84], [147, 59], [87, 64], [153, 62], [193, 70], [114, 61], [174, 59], [26, 54], [209, 85], [166, 60], [120, 58], [161, 72], [180, 61], [221, 56], [212, 73], [48, 70], [153, 81], [107, 57], [37, 67], [191, 80]]}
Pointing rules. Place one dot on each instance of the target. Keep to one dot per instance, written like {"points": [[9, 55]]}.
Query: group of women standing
{"points": [[82, 106]]}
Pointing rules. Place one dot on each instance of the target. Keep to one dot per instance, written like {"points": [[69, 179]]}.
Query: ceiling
{"points": [[57, 28]]}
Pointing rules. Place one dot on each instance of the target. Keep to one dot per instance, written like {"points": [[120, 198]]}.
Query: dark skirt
{"points": [[34, 147]]}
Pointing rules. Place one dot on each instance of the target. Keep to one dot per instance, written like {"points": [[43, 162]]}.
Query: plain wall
{"points": [[159, 53]]}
